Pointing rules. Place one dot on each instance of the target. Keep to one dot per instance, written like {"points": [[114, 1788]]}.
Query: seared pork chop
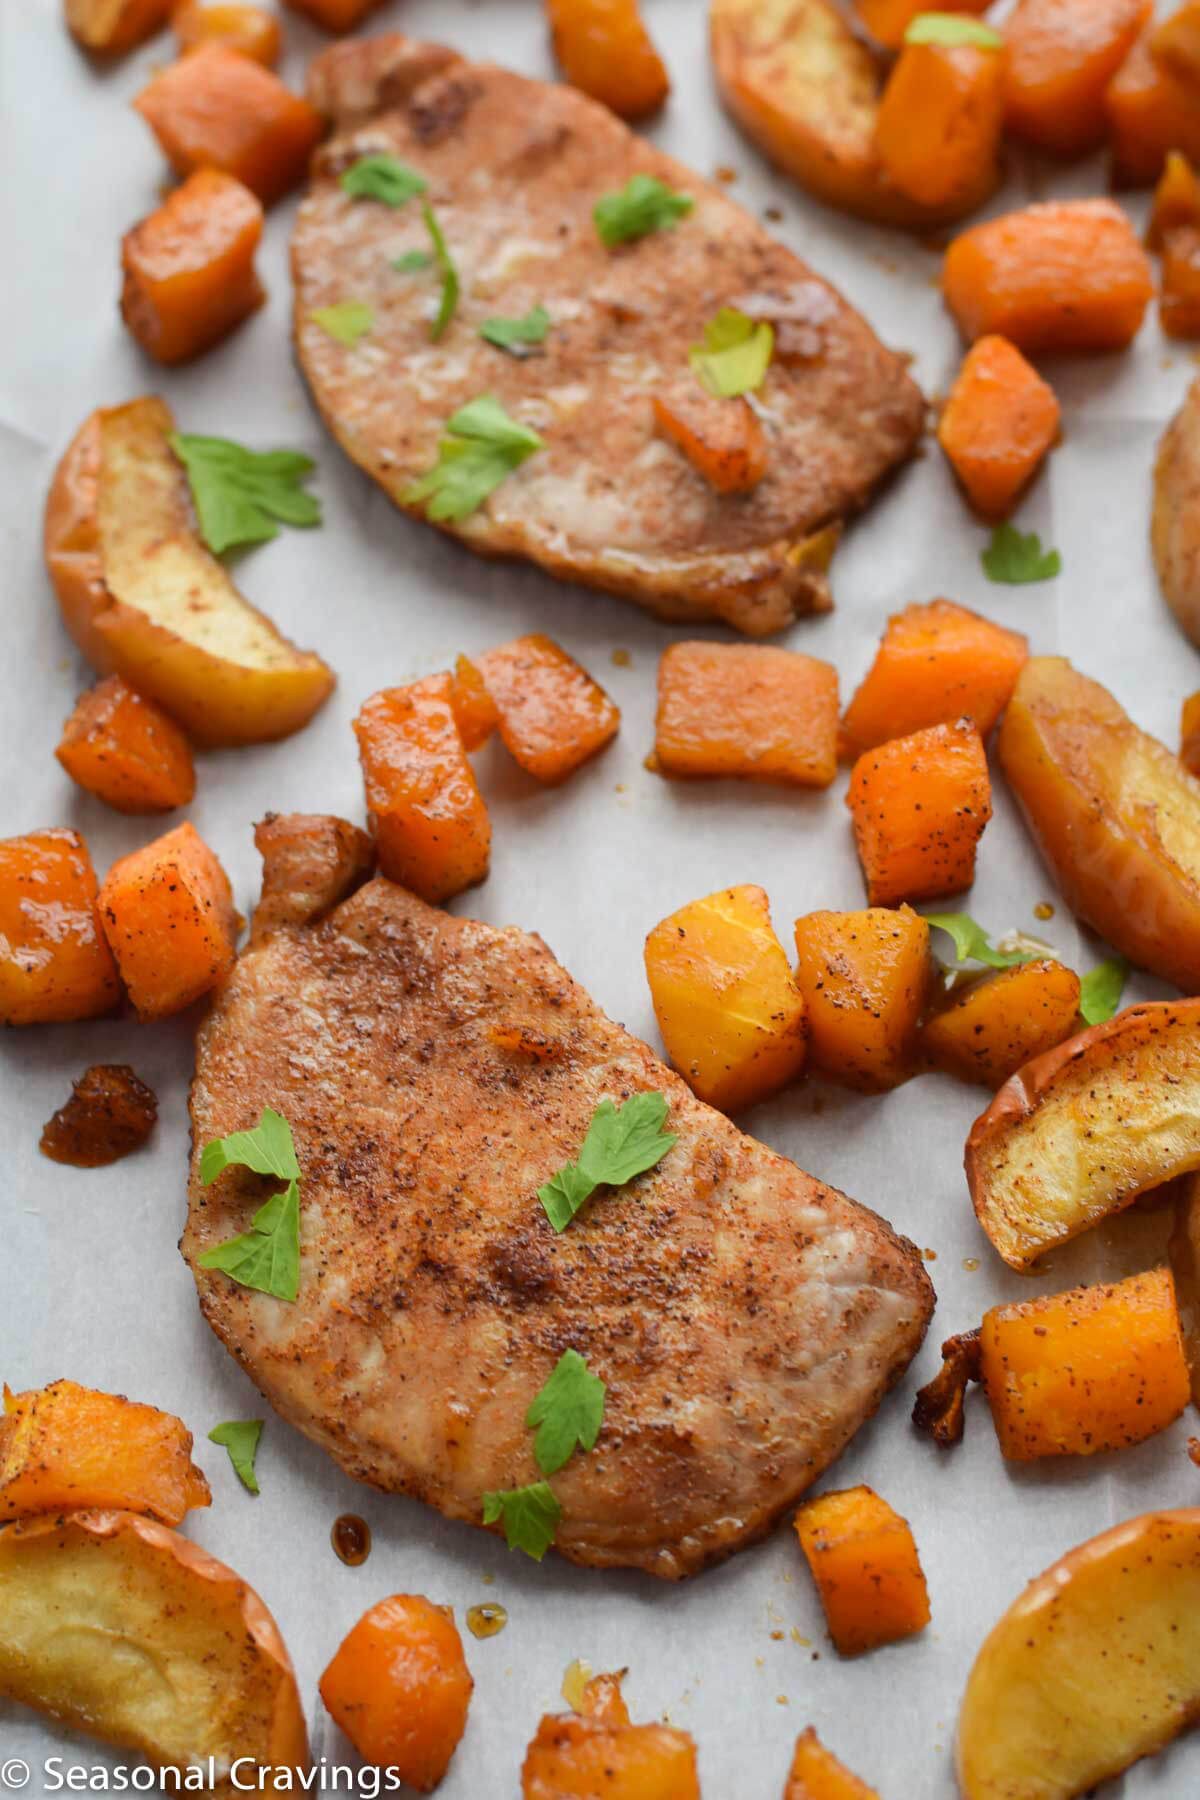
{"points": [[514, 168], [435, 1073]]}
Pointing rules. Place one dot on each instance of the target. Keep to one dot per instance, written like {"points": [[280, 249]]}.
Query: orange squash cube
{"points": [[866, 978], [216, 109], [474, 708], [1150, 113], [170, 921], [865, 1564], [938, 128], [1179, 302], [816, 1774], [604, 49], [1094, 1369], [552, 716], [64, 1448], [1064, 275], [250, 29], [731, 1017], [888, 20], [919, 805], [55, 963], [583, 1758], [430, 823], [747, 710], [109, 27], [189, 267], [997, 426], [399, 1687], [989, 1028], [1175, 42], [335, 15], [936, 663], [1062, 54], [1176, 200], [722, 439], [1189, 734], [126, 750]]}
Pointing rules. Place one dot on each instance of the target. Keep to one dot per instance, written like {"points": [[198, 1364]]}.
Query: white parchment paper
{"points": [[91, 1284]]}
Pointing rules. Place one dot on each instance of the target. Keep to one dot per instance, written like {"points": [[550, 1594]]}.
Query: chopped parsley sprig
{"points": [[267, 1257]]}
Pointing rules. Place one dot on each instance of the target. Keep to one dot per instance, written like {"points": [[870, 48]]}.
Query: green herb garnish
{"points": [[481, 446], [239, 493], [735, 354], [447, 271], [530, 1516], [1016, 559], [972, 943], [568, 1413], [267, 1257], [382, 177], [643, 205], [621, 1142], [413, 261], [952, 29], [347, 321], [1100, 990], [512, 334], [240, 1437]]}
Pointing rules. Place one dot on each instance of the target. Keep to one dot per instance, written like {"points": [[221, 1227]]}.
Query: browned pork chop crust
{"points": [[514, 169], [435, 1072]]}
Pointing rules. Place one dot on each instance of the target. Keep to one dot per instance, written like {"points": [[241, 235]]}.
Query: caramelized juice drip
{"points": [[1043, 910], [487, 1620], [351, 1539]]}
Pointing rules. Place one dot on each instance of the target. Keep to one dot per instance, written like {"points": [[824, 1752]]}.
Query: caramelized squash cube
{"points": [[237, 25], [110, 27], [936, 663], [1179, 302], [998, 425], [721, 438], [1062, 54], [55, 963], [937, 132], [987, 1029], [1175, 42], [865, 1564], [126, 750], [474, 708], [919, 806], [604, 49], [189, 267], [169, 917], [552, 716], [748, 710], [866, 978], [1150, 113], [816, 1774], [335, 15], [1176, 200], [580, 1758]]}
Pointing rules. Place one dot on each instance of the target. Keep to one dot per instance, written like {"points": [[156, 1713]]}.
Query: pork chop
{"points": [[514, 168], [435, 1072]]}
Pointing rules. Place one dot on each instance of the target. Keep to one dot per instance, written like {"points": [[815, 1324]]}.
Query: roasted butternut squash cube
{"points": [[1096, 1368], [189, 267], [998, 425], [730, 1014], [250, 29], [936, 663], [816, 1774], [430, 823], [55, 963], [335, 15], [552, 716], [126, 750], [110, 27], [170, 921], [1064, 275], [604, 49], [1062, 54], [866, 978], [1175, 42], [721, 438], [311, 861], [1176, 200], [1179, 301], [64, 1448], [919, 806], [937, 132], [573, 1758], [865, 1564], [988, 1028], [1150, 113], [474, 708], [399, 1687], [217, 109], [747, 710], [888, 20]]}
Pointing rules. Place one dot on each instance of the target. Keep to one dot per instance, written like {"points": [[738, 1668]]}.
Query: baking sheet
{"points": [[91, 1285]]}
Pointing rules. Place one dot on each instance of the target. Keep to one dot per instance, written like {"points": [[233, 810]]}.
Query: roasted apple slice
{"points": [[1115, 814], [143, 597], [1079, 1133], [1096, 1665], [119, 1627], [1175, 521]]}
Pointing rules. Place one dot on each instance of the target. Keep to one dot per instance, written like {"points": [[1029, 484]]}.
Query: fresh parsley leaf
{"points": [[481, 446], [972, 944], [447, 271], [568, 1412], [530, 1517], [1101, 988], [952, 29], [267, 1257], [413, 261], [382, 177], [347, 321], [643, 205], [511, 334], [735, 354], [240, 1437], [621, 1142], [239, 493], [1014, 558]]}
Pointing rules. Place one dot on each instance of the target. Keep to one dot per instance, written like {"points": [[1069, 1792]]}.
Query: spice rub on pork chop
{"points": [[514, 168], [435, 1072]]}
